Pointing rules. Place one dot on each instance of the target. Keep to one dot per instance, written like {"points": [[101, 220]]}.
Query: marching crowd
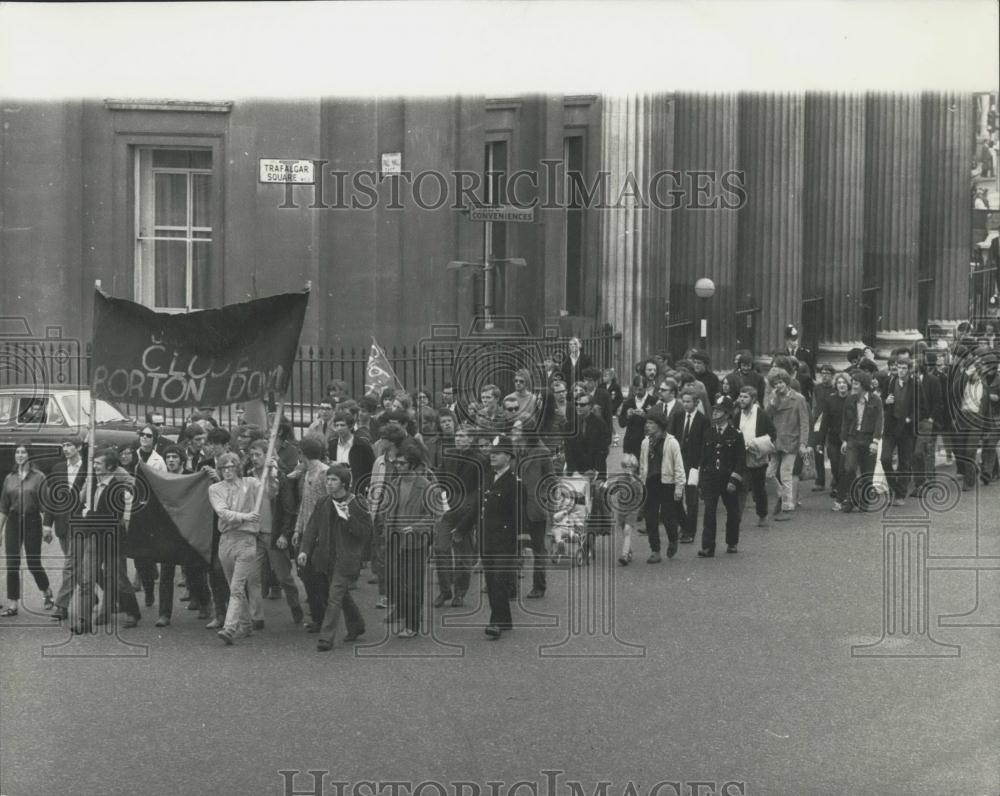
{"points": [[396, 482]]}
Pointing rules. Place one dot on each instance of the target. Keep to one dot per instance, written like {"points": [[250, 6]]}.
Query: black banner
{"points": [[214, 357]]}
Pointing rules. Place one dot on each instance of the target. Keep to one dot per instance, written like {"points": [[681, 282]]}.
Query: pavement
{"points": [[745, 673]]}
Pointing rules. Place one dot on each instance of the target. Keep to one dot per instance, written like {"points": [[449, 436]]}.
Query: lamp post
{"points": [[704, 289]]}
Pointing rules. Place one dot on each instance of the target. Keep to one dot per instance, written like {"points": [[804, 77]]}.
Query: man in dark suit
{"points": [[600, 398], [930, 418], [901, 408], [861, 431], [332, 547], [347, 448], [575, 363], [100, 561], [503, 516], [64, 503], [587, 449], [689, 429]]}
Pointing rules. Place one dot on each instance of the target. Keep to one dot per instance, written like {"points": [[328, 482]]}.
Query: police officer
{"points": [[721, 475], [504, 504]]}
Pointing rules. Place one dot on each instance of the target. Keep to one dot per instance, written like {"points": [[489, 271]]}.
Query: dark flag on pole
{"points": [[233, 354], [171, 518], [379, 373]]}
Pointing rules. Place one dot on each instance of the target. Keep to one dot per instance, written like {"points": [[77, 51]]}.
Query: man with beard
{"points": [[755, 424]]}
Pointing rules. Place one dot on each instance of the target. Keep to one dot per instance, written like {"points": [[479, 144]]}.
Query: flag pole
{"points": [[92, 431], [271, 444], [273, 436]]}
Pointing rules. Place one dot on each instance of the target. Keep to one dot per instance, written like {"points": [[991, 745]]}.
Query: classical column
{"points": [[770, 225], [634, 133], [892, 215], [704, 230], [833, 219], [946, 208]]}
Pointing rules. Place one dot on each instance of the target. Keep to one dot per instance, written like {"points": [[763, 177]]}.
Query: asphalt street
{"points": [[737, 669]]}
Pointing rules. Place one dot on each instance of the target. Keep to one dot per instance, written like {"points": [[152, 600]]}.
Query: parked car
{"points": [[43, 416]]}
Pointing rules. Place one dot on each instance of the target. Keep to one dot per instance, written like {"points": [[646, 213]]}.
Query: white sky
{"points": [[225, 50]]}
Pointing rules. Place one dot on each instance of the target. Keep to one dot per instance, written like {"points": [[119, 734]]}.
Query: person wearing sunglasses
{"points": [[587, 447]]}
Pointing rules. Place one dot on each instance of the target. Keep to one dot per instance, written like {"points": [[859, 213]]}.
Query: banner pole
{"points": [[271, 444], [92, 430]]}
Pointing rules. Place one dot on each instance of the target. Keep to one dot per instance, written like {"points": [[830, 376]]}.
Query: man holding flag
{"points": [[239, 353]]}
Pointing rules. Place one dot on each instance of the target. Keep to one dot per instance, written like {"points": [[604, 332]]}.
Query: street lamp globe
{"points": [[704, 288]]}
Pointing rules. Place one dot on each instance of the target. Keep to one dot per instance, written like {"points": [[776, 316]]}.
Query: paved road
{"points": [[741, 672]]}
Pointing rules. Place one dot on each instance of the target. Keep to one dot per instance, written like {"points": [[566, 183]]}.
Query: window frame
{"points": [[130, 164]]}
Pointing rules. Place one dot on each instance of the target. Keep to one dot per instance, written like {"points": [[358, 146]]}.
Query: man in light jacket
{"points": [[661, 469], [790, 414]]}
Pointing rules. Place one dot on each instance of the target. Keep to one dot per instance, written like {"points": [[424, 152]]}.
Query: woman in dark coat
{"points": [[21, 527]]}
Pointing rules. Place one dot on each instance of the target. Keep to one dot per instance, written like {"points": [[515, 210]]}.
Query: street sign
{"points": [[282, 170], [392, 163], [502, 213]]}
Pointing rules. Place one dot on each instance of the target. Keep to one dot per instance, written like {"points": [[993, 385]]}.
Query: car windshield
{"points": [[77, 406]]}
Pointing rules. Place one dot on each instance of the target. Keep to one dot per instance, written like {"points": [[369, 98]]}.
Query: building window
{"points": [[575, 219], [174, 226]]}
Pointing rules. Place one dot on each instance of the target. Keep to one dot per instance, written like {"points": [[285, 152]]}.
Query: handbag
{"points": [[808, 466]]}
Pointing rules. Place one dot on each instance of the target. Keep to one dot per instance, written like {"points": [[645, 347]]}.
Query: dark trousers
{"points": [[756, 484], [196, 580], [145, 568], [922, 460], [661, 506], [989, 456], [412, 569], [689, 519], [536, 529], [220, 588], [499, 575], [339, 600], [711, 490], [898, 477], [317, 592], [102, 563], [820, 469], [464, 557], [197, 586], [23, 531], [857, 490], [454, 558], [968, 433]]}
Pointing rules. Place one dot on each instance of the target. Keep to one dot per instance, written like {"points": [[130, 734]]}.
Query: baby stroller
{"points": [[568, 536]]}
